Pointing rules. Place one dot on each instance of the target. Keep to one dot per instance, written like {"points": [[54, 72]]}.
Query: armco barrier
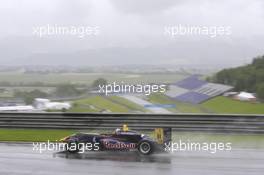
{"points": [[179, 122]]}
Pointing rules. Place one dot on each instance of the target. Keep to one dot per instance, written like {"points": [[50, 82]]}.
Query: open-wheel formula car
{"points": [[120, 140]]}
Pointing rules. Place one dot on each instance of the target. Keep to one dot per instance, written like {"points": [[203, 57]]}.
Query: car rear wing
{"points": [[163, 135]]}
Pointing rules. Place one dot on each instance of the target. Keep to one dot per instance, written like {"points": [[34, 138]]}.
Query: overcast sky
{"points": [[131, 32]]}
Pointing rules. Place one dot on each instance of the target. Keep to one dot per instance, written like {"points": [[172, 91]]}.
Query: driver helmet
{"points": [[125, 128]]}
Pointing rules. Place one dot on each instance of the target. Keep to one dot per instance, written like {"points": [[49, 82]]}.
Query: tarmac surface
{"points": [[20, 159]]}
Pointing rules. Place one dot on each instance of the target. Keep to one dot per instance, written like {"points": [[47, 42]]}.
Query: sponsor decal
{"points": [[119, 145]]}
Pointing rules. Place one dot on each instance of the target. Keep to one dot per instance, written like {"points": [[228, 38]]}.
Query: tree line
{"points": [[248, 78], [61, 90]]}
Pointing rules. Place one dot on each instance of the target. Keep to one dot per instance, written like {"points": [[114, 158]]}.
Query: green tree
{"points": [[260, 91], [67, 90], [243, 78], [29, 97], [99, 81]]}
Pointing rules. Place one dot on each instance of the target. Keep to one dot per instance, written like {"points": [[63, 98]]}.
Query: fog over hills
{"points": [[131, 32]]}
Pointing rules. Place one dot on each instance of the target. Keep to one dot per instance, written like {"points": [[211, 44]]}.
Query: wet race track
{"points": [[20, 159]]}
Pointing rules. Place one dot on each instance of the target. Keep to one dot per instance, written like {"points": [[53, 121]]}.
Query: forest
{"points": [[248, 78]]}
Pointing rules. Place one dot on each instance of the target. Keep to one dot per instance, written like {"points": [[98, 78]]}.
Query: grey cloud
{"points": [[144, 6], [131, 31]]}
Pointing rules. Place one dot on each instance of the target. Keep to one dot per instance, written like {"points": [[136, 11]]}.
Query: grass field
{"points": [[88, 78], [216, 105], [98, 103], [40, 135], [35, 135], [108, 104], [121, 105], [130, 105], [118, 104], [237, 140], [226, 105], [78, 78]]}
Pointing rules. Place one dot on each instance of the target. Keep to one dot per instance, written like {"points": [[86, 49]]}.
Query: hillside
{"points": [[244, 78]]}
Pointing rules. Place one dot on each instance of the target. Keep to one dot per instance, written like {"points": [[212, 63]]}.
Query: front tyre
{"points": [[145, 147]]}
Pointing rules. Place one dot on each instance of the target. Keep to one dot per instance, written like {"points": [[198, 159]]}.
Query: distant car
{"points": [[120, 140]]}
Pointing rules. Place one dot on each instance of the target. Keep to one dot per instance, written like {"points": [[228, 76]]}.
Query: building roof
{"points": [[191, 82], [194, 90]]}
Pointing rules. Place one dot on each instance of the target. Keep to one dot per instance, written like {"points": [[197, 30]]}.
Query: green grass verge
{"points": [[97, 104], [216, 105], [237, 140], [129, 104], [36, 135], [88, 78], [111, 103], [226, 105], [42, 135]]}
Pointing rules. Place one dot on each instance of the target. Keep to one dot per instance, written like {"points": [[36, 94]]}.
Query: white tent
{"points": [[46, 104], [58, 105], [245, 96]]}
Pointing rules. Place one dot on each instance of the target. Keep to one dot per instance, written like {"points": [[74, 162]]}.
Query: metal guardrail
{"points": [[178, 122]]}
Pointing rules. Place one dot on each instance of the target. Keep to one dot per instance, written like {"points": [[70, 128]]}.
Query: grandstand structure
{"points": [[195, 91]]}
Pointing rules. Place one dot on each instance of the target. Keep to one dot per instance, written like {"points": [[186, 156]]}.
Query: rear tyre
{"points": [[145, 147]]}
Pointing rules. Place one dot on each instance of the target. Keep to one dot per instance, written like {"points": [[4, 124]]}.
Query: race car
{"points": [[120, 140]]}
